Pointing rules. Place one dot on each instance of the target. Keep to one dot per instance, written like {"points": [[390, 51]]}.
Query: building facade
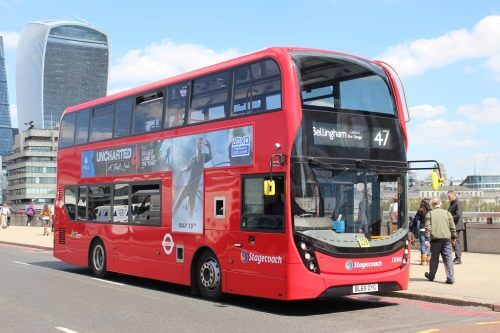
{"points": [[485, 183], [31, 169], [6, 136], [59, 64]]}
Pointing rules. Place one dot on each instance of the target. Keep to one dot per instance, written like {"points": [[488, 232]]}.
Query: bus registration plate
{"points": [[364, 288]]}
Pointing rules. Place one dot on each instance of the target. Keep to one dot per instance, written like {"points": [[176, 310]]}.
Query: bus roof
{"points": [[275, 52]]}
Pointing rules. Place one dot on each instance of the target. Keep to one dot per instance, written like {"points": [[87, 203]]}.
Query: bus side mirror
{"points": [[436, 181], [269, 187]]}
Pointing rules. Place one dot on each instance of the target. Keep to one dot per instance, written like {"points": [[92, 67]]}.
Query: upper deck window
{"points": [[67, 130], [148, 112], [82, 127], [209, 98], [343, 83], [101, 124], [176, 104], [257, 87], [123, 118]]}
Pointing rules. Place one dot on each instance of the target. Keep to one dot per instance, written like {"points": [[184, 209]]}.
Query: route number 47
{"points": [[382, 137]]}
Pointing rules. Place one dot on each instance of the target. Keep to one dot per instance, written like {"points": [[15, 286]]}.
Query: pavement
{"points": [[476, 279]]}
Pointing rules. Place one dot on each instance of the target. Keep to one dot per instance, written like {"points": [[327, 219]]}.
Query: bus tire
{"points": [[209, 276], [97, 259]]}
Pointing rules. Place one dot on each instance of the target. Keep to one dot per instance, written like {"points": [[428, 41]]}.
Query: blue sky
{"points": [[447, 52]]}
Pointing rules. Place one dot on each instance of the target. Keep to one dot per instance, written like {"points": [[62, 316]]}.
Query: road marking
{"points": [[66, 330], [488, 323], [21, 263], [37, 251], [430, 331], [111, 282]]}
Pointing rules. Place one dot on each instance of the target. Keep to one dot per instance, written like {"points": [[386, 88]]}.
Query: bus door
{"points": [[257, 242]]}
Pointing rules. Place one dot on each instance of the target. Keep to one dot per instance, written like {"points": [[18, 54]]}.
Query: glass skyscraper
{"points": [[59, 64], [6, 137]]}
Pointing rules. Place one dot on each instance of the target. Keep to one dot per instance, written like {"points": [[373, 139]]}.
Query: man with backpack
{"points": [[30, 212]]}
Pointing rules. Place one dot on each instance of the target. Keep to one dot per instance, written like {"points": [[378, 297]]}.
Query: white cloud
{"points": [[425, 111], [470, 70], [163, 59], [13, 115], [415, 57], [443, 132], [488, 111], [10, 39]]}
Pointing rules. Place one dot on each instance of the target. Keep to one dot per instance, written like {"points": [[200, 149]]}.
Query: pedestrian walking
{"points": [[9, 212], [45, 219], [52, 218], [456, 211], [418, 226], [440, 234], [4, 213], [393, 215], [30, 212]]}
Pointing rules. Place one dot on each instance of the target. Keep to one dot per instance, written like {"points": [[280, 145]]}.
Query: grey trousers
{"points": [[457, 248], [443, 247]]}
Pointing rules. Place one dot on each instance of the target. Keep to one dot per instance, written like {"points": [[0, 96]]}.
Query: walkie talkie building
{"points": [[59, 64]]}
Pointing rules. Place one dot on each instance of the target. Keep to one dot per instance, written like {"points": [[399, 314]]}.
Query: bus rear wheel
{"points": [[98, 259], [208, 276]]}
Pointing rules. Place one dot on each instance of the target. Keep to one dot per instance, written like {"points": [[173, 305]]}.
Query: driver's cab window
{"points": [[261, 212]]}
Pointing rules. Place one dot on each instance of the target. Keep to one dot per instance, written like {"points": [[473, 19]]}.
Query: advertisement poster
{"points": [[186, 157], [195, 153]]}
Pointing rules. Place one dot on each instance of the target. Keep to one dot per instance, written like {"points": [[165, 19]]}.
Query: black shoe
{"points": [[428, 277], [457, 261], [449, 281]]}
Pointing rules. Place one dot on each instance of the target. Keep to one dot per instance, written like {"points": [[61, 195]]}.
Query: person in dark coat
{"points": [[456, 211]]}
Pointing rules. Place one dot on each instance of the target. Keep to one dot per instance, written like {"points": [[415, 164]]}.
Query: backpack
{"points": [[30, 211]]}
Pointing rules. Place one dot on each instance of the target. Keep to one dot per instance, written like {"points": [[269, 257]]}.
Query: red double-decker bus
{"points": [[279, 174]]}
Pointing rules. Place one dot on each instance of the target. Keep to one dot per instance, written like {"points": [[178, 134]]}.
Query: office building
{"points": [[482, 182], [59, 64], [31, 169], [6, 136]]}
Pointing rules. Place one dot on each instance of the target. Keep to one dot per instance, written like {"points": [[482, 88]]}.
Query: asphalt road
{"points": [[41, 294]]}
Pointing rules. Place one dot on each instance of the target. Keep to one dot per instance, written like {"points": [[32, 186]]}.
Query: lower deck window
{"points": [[118, 203]]}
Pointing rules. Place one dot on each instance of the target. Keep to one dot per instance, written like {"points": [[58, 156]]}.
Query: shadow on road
{"points": [[290, 308]]}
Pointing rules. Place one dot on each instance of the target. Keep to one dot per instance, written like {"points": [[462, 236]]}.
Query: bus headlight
{"points": [[308, 256]]}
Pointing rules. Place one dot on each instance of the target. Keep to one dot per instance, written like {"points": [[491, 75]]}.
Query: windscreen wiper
{"points": [[313, 160]]}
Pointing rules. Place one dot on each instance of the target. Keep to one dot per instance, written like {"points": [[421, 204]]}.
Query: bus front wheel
{"points": [[208, 276], [98, 259]]}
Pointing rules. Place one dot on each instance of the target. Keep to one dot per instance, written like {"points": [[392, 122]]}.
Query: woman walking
{"points": [[419, 224], [45, 218]]}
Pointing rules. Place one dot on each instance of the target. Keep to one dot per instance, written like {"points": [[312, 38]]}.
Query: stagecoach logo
{"points": [[349, 265], [240, 146], [259, 259], [244, 256], [167, 243]]}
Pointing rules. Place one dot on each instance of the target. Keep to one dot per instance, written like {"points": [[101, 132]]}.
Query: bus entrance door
{"points": [[257, 243]]}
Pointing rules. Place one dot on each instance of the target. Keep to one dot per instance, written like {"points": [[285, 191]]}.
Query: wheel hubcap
{"points": [[210, 274], [98, 258]]}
